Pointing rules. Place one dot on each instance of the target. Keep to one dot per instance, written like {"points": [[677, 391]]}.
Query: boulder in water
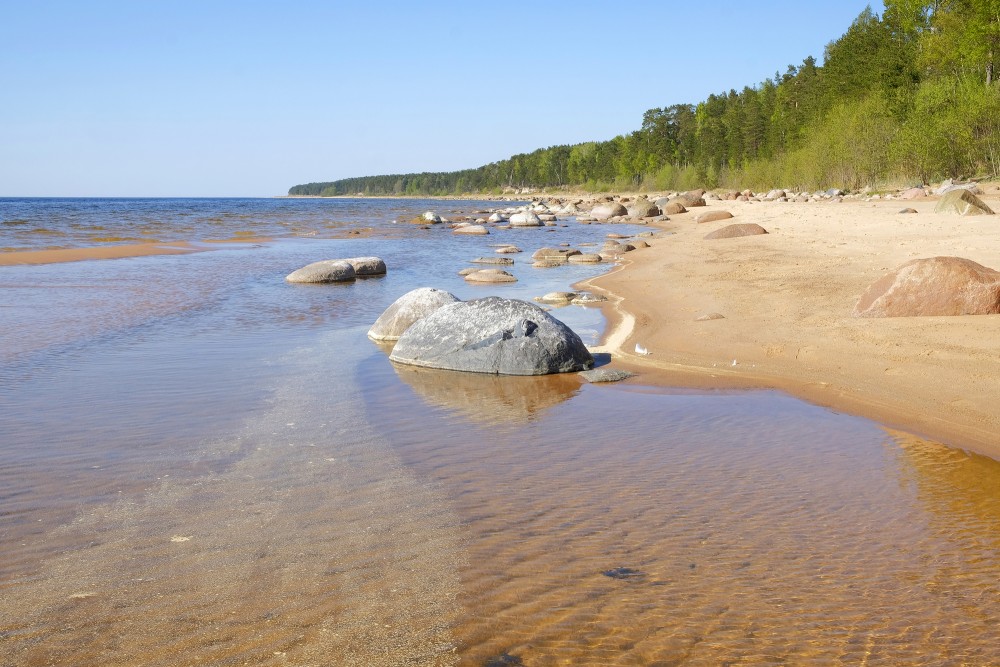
{"points": [[325, 271], [367, 266], [406, 310], [525, 219], [493, 335]]}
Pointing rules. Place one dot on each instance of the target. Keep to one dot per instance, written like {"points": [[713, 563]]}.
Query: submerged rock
{"points": [[623, 573], [493, 335], [933, 286], [606, 375], [407, 309], [588, 299]]}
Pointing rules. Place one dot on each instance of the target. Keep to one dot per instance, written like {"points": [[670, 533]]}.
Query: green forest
{"points": [[909, 96]]}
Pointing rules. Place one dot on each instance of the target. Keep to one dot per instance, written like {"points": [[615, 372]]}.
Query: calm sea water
{"points": [[202, 464]]}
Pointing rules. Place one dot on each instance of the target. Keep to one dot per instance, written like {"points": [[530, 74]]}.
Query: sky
{"points": [[225, 98]]}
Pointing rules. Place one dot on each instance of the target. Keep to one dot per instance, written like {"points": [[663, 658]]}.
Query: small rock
{"points": [[326, 271], [606, 375], [608, 210], [367, 266], [710, 316], [490, 276], [623, 573], [712, 216], [525, 219], [643, 208], [735, 231], [554, 253], [478, 230], [588, 299], [556, 297], [913, 193], [500, 261]]}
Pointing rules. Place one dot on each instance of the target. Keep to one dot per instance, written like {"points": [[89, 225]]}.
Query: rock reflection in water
{"points": [[490, 399]]}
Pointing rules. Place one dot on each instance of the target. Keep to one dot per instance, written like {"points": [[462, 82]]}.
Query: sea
{"points": [[202, 464]]}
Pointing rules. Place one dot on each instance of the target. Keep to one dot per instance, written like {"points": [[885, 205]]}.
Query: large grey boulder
{"points": [[493, 335], [933, 286], [325, 271], [407, 309], [962, 202]]}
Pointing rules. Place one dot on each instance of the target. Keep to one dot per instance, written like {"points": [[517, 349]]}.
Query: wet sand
{"points": [[787, 299], [59, 255]]}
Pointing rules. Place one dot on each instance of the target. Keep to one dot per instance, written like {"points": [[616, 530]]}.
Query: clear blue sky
{"points": [[225, 98]]}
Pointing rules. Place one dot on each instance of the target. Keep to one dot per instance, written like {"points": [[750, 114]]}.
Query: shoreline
{"points": [[786, 299]]}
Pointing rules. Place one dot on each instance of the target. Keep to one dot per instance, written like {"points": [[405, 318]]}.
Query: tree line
{"points": [[911, 95]]}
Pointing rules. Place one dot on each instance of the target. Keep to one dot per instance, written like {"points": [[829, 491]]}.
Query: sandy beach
{"points": [[787, 298]]}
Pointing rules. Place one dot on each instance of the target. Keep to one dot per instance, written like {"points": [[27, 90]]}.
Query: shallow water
{"points": [[201, 464]]}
